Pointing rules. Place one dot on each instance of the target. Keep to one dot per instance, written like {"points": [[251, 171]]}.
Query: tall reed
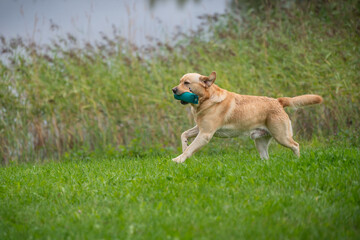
{"points": [[60, 97]]}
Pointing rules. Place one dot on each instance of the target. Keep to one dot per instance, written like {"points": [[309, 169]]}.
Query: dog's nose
{"points": [[174, 90]]}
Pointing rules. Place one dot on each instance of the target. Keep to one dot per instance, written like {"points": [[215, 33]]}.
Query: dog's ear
{"points": [[208, 81]]}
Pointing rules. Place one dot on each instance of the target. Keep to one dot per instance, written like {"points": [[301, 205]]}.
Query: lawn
{"points": [[214, 195]]}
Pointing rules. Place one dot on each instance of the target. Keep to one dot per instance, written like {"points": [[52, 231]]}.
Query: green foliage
{"points": [[233, 195], [61, 97]]}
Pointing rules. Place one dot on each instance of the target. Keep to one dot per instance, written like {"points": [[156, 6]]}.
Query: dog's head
{"points": [[195, 83]]}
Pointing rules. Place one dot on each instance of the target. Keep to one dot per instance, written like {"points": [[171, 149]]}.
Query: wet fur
{"points": [[222, 113]]}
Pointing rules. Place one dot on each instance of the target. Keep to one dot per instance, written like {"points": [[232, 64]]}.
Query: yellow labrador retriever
{"points": [[222, 113]]}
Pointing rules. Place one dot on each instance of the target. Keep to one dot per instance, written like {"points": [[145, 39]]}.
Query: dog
{"points": [[221, 113]]}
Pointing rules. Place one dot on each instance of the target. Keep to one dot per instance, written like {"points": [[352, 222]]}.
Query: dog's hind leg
{"points": [[192, 132], [262, 139], [262, 145], [281, 130]]}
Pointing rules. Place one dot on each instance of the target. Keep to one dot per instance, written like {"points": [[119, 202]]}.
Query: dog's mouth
{"points": [[183, 102]]}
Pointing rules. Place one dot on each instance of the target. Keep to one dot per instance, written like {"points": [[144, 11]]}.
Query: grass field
{"points": [[214, 195]]}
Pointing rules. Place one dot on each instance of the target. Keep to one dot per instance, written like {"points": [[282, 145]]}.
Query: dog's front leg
{"points": [[192, 132], [201, 140]]}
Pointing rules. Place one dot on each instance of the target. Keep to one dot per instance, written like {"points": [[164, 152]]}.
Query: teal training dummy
{"points": [[188, 97]]}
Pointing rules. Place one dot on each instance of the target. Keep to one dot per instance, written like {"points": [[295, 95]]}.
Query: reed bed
{"points": [[67, 96]]}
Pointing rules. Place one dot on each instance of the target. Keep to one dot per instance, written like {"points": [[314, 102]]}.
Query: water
{"points": [[137, 20]]}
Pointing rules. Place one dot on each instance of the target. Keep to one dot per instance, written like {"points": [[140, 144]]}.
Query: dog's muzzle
{"points": [[175, 91]]}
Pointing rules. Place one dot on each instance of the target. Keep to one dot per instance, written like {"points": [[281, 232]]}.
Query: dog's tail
{"points": [[299, 101]]}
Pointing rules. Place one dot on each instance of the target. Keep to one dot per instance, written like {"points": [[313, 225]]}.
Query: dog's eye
{"points": [[186, 83]]}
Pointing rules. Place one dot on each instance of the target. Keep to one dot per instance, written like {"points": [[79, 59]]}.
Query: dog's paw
{"points": [[179, 159]]}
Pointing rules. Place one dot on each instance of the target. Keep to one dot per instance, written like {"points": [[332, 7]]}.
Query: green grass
{"points": [[230, 194]]}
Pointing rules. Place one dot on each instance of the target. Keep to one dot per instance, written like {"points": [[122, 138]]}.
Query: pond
{"points": [[136, 20]]}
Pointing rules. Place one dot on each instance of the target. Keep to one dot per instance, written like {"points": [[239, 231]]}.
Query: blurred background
{"points": [[139, 21], [84, 76]]}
